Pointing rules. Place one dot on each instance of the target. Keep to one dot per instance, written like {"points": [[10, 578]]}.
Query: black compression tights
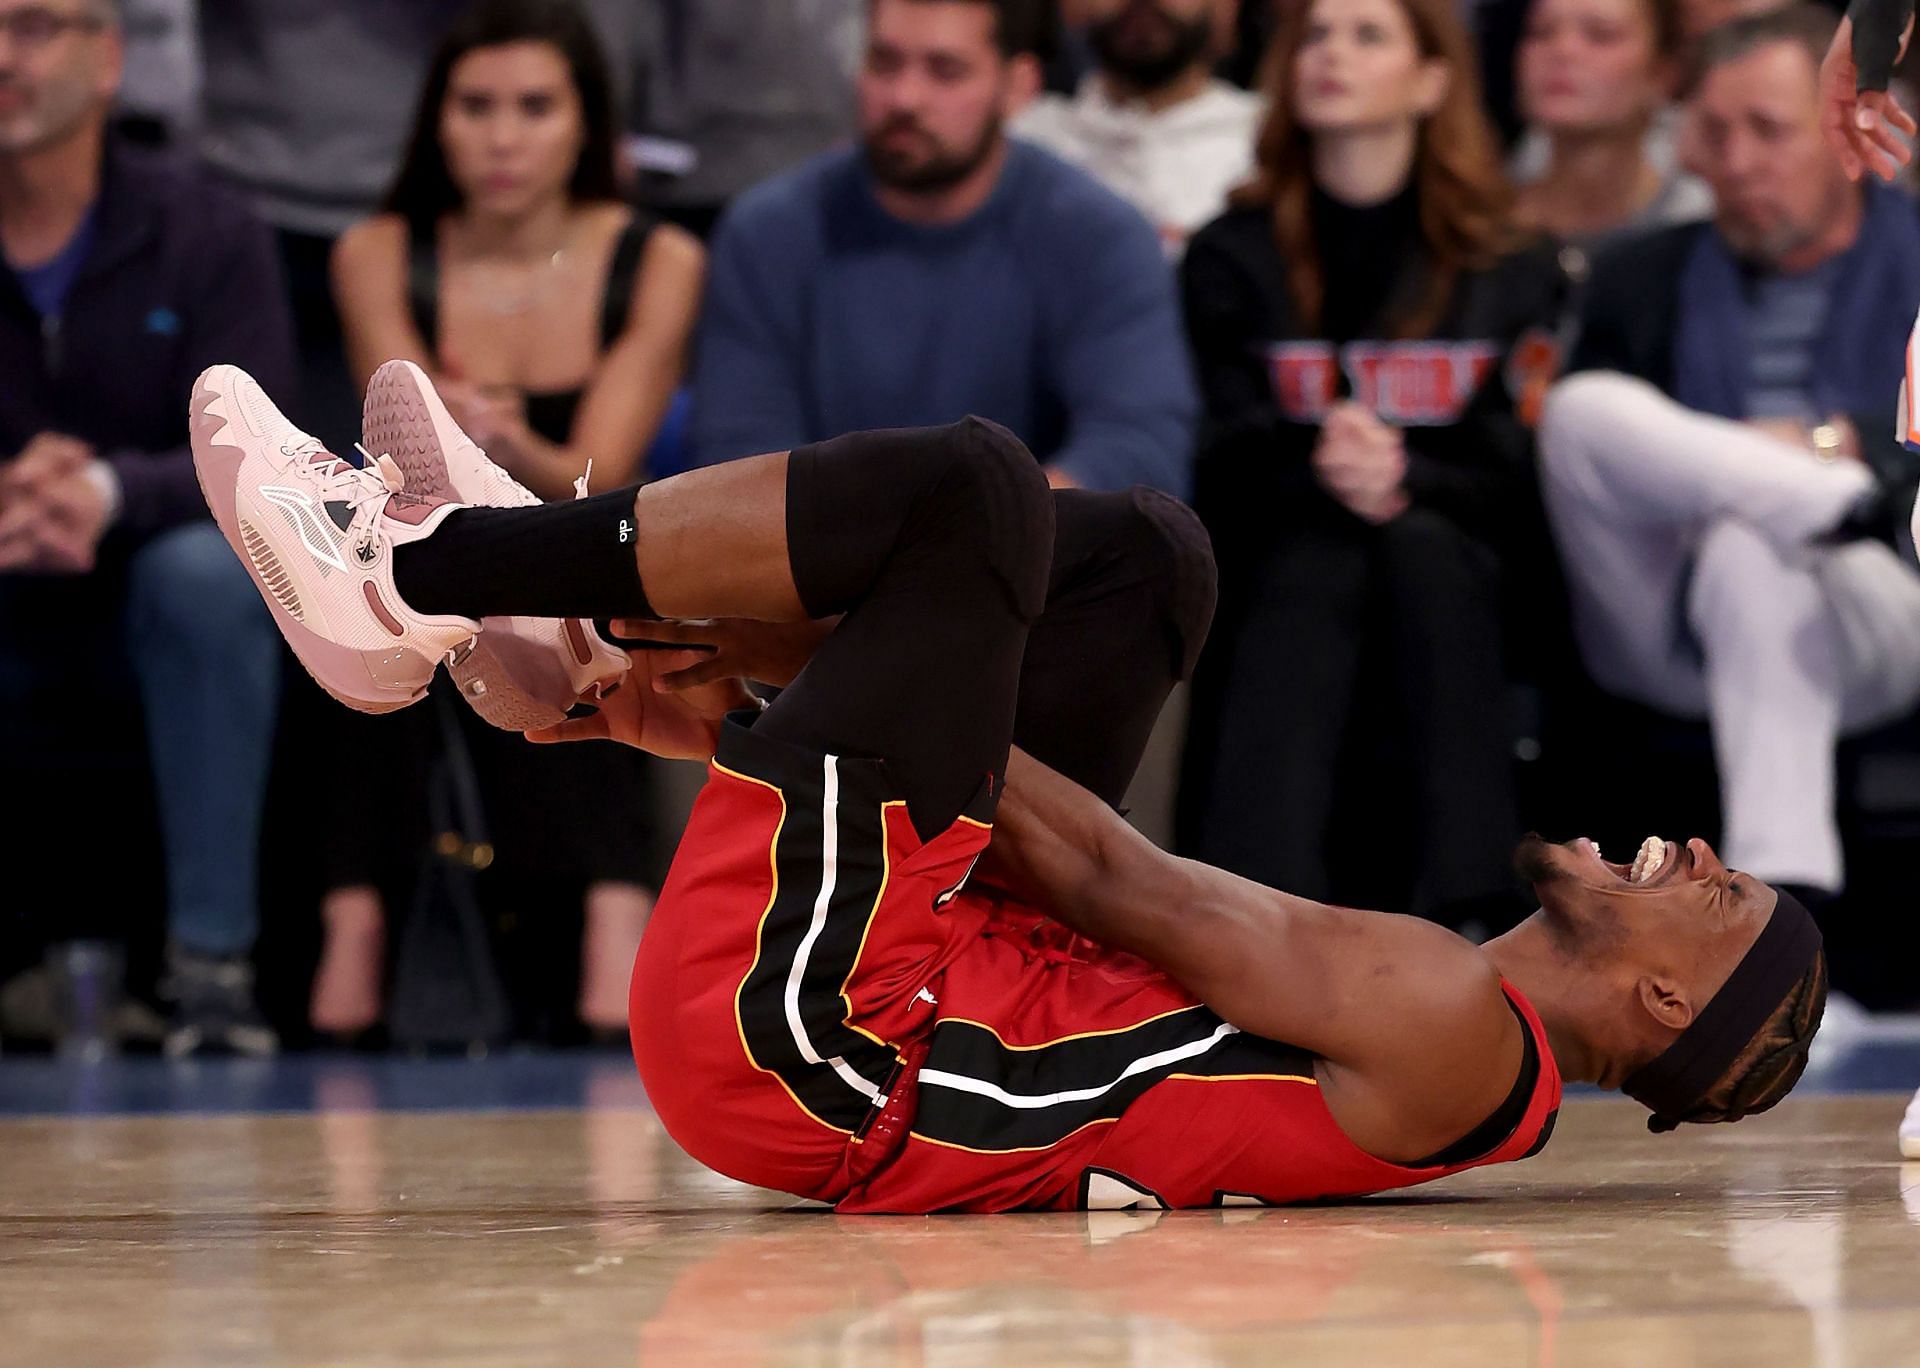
{"points": [[937, 667], [968, 624]]}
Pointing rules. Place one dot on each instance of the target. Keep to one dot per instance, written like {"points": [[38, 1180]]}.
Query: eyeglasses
{"points": [[34, 28]]}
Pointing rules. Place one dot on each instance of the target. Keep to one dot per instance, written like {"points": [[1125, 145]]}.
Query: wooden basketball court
{"points": [[582, 1236]]}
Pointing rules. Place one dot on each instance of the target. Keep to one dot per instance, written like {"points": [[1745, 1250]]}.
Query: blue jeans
{"points": [[180, 620]]}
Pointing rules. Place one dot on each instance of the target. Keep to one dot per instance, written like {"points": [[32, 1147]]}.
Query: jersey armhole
{"points": [[1505, 1119]]}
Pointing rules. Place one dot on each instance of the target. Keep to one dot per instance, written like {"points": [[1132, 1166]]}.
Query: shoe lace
{"points": [[379, 480], [392, 480], [376, 476]]}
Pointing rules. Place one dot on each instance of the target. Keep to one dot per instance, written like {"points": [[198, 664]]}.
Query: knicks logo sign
{"points": [[1408, 384]]}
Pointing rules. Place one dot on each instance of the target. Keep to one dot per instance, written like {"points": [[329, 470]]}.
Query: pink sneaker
{"points": [[318, 535], [522, 672]]}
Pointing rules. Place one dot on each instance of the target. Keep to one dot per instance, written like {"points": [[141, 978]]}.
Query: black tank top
{"points": [[550, 413]]}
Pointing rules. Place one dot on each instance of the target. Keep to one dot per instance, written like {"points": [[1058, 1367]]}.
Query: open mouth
{"points": [[1655, 863]]}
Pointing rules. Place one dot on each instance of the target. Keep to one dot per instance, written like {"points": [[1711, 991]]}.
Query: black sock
{"points": [[558, 560]]}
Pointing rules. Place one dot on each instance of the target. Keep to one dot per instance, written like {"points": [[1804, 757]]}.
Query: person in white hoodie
{"points": [[1152, 122]]}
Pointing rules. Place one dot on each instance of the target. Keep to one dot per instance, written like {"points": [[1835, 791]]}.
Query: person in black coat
{"points": [[1362, 319]]}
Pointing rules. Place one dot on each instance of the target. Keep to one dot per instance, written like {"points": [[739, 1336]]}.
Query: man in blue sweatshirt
{"points": [[120, 279], [940, 269]]}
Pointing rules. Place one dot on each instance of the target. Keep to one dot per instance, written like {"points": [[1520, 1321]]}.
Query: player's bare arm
{"points": [[1417, 1042]]}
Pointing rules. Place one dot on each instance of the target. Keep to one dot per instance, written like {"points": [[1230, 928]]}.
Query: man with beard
{"points": [[1722, 480], [1152, 123], [941, 268]]}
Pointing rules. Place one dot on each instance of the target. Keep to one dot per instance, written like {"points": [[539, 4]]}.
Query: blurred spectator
{"points": [[1152, 123], [942, 269], [1359, 318], [1710, 479], [1698, 16], [557, 322], [160, 96], [303, 108], [1501, 27], [1252, 37], [1595, 79], [734, 91], [124, 277]]}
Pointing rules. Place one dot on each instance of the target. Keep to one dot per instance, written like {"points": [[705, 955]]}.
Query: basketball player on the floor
{"points": [[832, 1000], [1868, 131]]}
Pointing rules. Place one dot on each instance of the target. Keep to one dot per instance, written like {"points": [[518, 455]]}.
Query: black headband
{"points": [[1675, 1080]]}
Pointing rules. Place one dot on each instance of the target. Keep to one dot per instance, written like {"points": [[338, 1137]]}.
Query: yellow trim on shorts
{"points": [[1017, 1149], [1078, 1035]]}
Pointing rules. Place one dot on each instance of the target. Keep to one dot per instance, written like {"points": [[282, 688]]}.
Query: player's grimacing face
{"points": [[511, 126], [1677, 893], [934, 91]]}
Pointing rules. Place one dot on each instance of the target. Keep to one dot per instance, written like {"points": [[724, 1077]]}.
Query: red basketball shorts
{"points": [[815, 1009]]}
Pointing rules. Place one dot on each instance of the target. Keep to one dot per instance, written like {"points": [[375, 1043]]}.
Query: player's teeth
{"points": [[1652, 855]]}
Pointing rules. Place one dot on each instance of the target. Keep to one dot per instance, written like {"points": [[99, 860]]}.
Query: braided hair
{"points": [[1774, 1059]]}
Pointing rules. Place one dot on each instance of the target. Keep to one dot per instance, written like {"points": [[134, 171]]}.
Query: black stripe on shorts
{"points": [[978, 1093], [830, 866]]}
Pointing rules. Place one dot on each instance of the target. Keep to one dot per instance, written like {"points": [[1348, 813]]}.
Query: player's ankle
{"points": [[556, 560]]}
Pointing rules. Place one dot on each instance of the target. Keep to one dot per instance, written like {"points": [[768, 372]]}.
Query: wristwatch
{"points": [[1827, 441]]}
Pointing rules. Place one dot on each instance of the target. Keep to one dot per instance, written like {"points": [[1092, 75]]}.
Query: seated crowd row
{"points": [[1392, 383]]}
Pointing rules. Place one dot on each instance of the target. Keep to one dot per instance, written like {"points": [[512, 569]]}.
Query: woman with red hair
{"points": [[1362, 318]]}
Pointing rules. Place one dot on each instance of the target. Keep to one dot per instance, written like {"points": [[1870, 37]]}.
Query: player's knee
{"points": [[998, 500], [1172, 533]]}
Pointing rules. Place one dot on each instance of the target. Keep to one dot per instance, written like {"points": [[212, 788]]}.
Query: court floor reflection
{"points": [[584, 1236]]}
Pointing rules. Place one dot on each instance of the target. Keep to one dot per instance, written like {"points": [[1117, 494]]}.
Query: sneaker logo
{"points": [[306, 520], [365, 552], [626, 531]]}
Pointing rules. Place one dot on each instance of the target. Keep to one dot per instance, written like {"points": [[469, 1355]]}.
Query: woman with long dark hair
{"points": [[1359, 317], [556, 320]]}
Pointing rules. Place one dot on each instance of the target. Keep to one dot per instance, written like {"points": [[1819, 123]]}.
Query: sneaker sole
{"points": [[352, 677], [1910, 1146], [400, 421]]}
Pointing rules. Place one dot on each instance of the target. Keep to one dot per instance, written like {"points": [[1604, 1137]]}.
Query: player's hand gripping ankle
{"points": [[641, 712], [733, 648]]}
